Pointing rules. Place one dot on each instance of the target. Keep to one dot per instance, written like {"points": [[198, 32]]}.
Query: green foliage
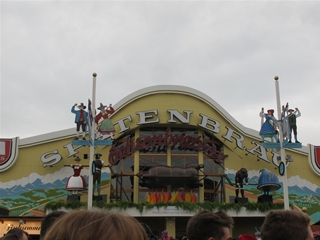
{"points": [[54, 205], [75, 204], [187, 206]]}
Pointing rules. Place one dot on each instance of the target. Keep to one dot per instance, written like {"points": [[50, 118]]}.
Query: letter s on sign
{"points": [[51, 158]]}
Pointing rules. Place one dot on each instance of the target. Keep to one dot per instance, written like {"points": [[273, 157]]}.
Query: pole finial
{"points": [[276, 78], [94, 74]]}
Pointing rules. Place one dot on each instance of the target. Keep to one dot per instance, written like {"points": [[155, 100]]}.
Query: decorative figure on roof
{"points": [[76, 182], [104, 125], [81, 119], [241, 175], [96, 168], [269, 127], [268, 182], [292, 120], [289, 122], [284, 121]]}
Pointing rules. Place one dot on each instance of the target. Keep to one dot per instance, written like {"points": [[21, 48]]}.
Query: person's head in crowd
{"points": [[94, 224], [48, 220], [10, 237], [16, 233], [207, 225], [286, 224]]}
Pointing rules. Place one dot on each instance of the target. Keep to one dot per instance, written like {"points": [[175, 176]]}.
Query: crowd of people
{"points": [[205, 225]]}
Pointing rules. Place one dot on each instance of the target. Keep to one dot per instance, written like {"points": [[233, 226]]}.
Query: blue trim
{"points": [[272, 145], [282, 168], [81, 142], [293, 145], [88, 142]]}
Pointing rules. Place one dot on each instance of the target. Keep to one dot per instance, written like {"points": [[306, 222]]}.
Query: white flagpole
{"points": [[93, 107], [282, 150]]}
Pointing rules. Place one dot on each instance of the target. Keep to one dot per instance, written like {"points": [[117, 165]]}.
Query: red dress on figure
{"points": [[76, 182]]}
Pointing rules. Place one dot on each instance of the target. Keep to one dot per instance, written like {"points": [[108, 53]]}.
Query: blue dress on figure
{"points": [[268, 129]]}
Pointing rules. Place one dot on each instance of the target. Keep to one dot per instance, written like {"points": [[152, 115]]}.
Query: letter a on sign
{"points": [[8, 153]]}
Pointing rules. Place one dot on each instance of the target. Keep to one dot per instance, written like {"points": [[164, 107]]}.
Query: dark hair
{"points": [[285, 224], [15, 233], [48, 220], [10, 237], [207, 224], [95, 224]]}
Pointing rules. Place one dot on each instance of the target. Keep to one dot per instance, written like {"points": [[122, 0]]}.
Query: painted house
{"points": [[165, 125]]}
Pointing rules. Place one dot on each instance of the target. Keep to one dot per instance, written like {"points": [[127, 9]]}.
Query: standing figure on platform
{"points": [[284, 121], [292, 120], [98, 164], [104, 125], [241, 175], [76, 182], [81, 119], [269, 127]]}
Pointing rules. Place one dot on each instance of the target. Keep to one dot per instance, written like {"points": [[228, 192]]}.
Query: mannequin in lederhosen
{"points": [[98, 165], [241, 175]]}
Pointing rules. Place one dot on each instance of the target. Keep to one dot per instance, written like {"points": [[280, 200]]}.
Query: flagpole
{"points": [[282, 150], [90, 184]]}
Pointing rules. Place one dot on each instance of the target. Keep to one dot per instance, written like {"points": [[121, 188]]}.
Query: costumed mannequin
{"points": [[104, 125], [98, 164], [292, 120], [76, 182], [241, 175], [81, 119], [268, 128]]}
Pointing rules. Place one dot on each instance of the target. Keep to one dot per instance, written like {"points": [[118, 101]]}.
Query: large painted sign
{"points": [[23, 197]]}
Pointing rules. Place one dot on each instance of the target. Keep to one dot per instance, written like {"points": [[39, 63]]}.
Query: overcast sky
{"points": [[229, 50]]}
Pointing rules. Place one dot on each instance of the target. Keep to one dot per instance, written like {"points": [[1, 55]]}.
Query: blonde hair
{"points": [[94, 224]]}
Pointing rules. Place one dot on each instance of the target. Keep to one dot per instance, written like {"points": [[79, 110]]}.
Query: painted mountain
{"points": [[28, 195]]}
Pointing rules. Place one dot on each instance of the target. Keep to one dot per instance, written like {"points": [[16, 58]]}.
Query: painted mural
{"points": [[28, 196], [302, 193]]}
